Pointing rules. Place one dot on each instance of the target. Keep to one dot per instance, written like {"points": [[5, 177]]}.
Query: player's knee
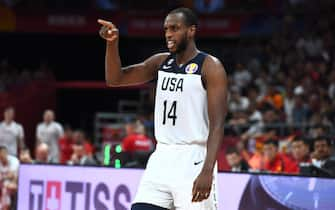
{"points": [[146, 206]]}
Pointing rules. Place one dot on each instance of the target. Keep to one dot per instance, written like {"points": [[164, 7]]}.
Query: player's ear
{"points": [[191, 31]]}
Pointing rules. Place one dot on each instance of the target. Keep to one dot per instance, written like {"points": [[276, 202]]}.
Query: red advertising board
{"points": [[63, 23], [131, 25], [208, 26]]}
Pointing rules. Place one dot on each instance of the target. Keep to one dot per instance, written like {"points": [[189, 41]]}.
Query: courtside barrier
{"points": [[59, 187]]}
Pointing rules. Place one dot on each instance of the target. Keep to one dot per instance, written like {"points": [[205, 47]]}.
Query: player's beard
{"points": [[182, 45]]}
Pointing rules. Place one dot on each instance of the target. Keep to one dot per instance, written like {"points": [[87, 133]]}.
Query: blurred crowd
{"points": [[281, 106]]}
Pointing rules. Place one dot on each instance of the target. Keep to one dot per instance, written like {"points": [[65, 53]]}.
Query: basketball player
{"points": [[190, 107]]}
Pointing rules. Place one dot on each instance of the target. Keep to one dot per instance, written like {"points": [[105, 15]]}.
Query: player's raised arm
{"points": [[115, 75], [215, 79]]}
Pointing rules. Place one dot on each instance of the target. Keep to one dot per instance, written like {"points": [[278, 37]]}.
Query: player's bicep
{"points": [[217, 94], [139, 71], [143, 72]]}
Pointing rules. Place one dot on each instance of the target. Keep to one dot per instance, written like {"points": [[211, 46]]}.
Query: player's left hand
{"points": [[202, 186]]}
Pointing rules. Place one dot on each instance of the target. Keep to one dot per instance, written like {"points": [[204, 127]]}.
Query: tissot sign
{"points": [[76, 188], [96, 188]]}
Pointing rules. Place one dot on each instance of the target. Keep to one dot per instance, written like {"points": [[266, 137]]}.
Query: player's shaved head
{"points": [[188, 15]]}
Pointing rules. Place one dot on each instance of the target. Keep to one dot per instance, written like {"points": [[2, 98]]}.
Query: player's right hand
{"points": [[108, 31]]}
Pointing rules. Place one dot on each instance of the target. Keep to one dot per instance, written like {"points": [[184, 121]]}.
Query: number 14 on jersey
{"points": [[170, 112]]}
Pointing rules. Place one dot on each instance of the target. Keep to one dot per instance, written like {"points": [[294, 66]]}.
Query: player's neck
{"points": [[190, 52]]}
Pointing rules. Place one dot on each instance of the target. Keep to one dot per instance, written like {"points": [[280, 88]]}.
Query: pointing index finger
{"points": [[105, 23]]}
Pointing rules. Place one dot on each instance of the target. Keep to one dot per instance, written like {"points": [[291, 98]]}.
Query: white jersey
{"points": [[10, 135], [181, 114], [13, 165], [50, 134]]}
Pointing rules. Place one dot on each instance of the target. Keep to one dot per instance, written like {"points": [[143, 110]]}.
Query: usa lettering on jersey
{"points": [[172, 84]]}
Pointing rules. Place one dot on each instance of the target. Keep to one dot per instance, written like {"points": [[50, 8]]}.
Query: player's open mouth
{"points": [[171, 44]]}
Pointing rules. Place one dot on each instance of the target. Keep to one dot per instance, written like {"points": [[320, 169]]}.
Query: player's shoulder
{"points": [[160, 57], [212, 64], [213, 71], [162, 54], [212, 60], [157, 59]]}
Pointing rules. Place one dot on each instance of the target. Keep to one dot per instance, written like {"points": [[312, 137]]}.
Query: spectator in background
{"points": [[136, 144], [262, 130], [289, 105], [25, 156], [300, 110], [136, 139], [241, 121], [273, 97], [246, 123], [322, 151], [237, 102], [11, 132], [311, 45], [317, 130], [253, 94], [276, 162], [79, 156], [49, 132], [42, 154], [313, 104], [261, 82], [235, 161], [274, 64], [237, 123], [300, 151], [65, 145], [79, 136], [9, 166], [331, 88], [255, 115], [241, 76]]}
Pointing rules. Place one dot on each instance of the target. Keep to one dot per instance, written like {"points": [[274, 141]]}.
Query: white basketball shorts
{"points": [[168, 179]]}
